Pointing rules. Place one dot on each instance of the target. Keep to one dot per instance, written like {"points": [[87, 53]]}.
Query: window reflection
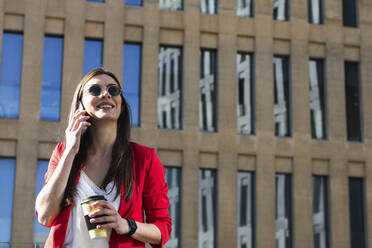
{"points": [[170, 4], [92, 54], [169, 90], [317, 99], [208, 91], [283, 211], [357, 213], [133, 2], [10, 75], [40, 232], [315, 11], [245, 94], [207, 208], [245, 210], [281, 97], [244, 8], [51, 79], [208, 6], [132, 79], [320, 212], [280, 10], [173, 179], [7, 176]]}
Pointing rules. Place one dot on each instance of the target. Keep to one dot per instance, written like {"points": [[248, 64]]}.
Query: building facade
{"points": [[259, 110]]}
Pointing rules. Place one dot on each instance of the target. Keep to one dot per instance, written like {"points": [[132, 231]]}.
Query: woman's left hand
{"points": [[113, 219]]}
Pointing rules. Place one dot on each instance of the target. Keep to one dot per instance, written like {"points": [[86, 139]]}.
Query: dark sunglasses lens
{"points": [[114, 90], [95, 90]]}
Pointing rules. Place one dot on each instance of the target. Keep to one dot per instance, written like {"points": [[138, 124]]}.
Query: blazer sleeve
{"points": [[155, 199]]}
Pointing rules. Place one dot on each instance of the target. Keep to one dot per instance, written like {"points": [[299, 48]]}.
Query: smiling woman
{"points": [[102, 161]]}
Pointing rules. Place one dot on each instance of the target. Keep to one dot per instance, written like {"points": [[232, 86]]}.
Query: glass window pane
{"points": [[245, 210], [281, 97], [320, 212], [133, 2], [171, 4], [283, 211], [51, 79], [315, 11], [173, 179], [10, 78], [7, 177], [207, 209], [208, 91], [352, 91], [349, 13], [40, 232], [132, 79], [170, 88], [244, 8], [245, 93], [357, 215], [317, 99], [280, 10], [208, 6], [92, 55]]}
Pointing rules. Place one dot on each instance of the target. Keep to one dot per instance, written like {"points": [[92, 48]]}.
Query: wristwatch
{"points": [[132, 225]]}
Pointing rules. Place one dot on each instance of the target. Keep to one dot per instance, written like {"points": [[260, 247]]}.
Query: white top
{"points": [[77, 233]]}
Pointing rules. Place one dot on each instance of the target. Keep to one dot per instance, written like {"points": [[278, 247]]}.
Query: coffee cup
{"points": [[86, 204]]}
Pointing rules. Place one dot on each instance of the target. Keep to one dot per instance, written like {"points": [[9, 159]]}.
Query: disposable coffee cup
{"points": [[94, 233]]}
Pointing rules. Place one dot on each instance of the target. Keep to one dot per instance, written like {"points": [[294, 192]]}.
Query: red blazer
{"points": [[149, 194]]}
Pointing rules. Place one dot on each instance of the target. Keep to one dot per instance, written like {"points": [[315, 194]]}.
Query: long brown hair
{"points": [[121, 166]]}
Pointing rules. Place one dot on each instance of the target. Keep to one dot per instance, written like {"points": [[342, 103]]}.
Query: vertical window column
{"points": [[171, 4], [281, 97], [244, 8], [317, 99], [245, 94], [283, 211], [357, 213], [315, 11], [207, 209], [10, 74], [51, 79], [7, 177], [320, 212], [170, 88], [352, 92], [208, 91], [245, 210], [93, 54], [173, 179], [281, 10], [208, 6], [132, 79]]}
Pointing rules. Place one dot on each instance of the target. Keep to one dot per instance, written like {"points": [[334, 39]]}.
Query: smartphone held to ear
{"points": [[81, 107]]}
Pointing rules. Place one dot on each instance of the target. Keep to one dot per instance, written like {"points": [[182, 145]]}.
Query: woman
{"points": [[98, 159]]}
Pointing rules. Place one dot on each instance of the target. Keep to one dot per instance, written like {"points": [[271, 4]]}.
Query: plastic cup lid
{"points": [[93, 198]]}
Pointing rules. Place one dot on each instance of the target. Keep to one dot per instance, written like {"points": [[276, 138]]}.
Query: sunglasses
{"points": [[96, 90]]}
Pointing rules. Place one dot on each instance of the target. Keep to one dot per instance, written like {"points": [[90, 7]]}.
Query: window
{"points": [[10, 74], [40, 232], [320, 212], [357, 214], [244, 8], [280, 10], [208, 6], [208, 91], [281, 97], [352, 91], [207, 209], [51, 79], [349, 13], [173, 179], [315, 11], [171, 4], [92, 54], [132, 79], [133, 2], [317, 99], [283, 211], [245, 210], [245, 93], [7, 177], [170, 88]]}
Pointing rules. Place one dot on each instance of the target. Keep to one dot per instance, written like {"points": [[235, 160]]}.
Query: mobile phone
{"points": [[81, 107]]}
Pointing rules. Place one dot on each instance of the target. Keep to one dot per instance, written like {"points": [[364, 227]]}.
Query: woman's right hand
{"points": [[75, 129]]}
